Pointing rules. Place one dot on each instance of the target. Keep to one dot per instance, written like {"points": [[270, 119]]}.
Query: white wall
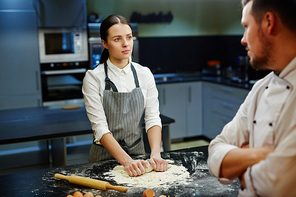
{"points": [[191, 17]]}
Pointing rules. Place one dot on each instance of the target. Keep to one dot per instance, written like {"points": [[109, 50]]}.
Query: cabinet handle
{"points": [[39, 103], [228, 105], [164, 96], [226, 89], [189, 94], [37, 80]]}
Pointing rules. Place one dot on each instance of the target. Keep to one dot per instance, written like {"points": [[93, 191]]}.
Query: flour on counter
{"points": [[175, 174]]}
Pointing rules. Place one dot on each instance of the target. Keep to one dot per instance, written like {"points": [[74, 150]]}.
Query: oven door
{"points": [[62, 85]]}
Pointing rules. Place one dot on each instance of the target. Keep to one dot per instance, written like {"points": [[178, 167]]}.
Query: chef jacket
{"points": [[94, 86], [267, 118]]}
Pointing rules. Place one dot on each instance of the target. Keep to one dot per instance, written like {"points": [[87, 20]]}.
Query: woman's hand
{"points": [[158, 163], [136, 167]]}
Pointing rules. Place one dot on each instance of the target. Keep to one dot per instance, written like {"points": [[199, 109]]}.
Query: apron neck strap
{"points": [[135, 76], [109, 83]]}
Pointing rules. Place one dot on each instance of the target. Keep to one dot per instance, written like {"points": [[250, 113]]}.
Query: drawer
{"points": [[224, 107], [214, 124], [228, 93]]}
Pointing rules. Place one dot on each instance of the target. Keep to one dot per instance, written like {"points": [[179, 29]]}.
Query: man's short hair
{"points": [[284, 9]]}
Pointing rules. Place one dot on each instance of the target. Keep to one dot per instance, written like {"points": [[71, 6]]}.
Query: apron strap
{"points": [[108, 82], [135, 76]]}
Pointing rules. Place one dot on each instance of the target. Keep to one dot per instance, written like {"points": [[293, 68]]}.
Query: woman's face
{"points": [[119, 43]]}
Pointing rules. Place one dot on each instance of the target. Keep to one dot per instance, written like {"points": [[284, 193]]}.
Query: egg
{"points": [[88, 194], [77, 194], [98, 196], [69, 196], [162, 196], [148, 193]]}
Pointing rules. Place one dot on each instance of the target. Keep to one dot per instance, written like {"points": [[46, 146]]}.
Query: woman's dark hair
{"points": [[285, 10], [105, 25]]}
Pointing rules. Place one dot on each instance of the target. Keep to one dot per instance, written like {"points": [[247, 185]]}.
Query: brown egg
{"points": [[69, 196], [162, 196], [88, 194], [77, 194], [148, 193], [98, 196]]}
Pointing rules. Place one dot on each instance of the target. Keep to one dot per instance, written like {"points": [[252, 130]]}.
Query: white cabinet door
{"points": [[194, 109], [182, 102], [172, 102]]}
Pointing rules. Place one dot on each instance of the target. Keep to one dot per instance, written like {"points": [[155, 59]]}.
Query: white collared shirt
{"points": [[267, 118], [94, 86]]}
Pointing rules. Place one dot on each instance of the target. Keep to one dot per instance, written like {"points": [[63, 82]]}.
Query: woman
{"points": [[117, 93]]}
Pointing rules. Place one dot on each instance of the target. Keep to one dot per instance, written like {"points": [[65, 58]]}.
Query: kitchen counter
{"points": [[43, 183], [54, 123], [191, 77]]}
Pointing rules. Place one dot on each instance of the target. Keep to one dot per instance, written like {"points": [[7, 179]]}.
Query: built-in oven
{"points": [[64, 59]]}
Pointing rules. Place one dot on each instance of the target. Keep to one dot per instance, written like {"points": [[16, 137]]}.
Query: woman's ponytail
{"points": [[104, 56]]}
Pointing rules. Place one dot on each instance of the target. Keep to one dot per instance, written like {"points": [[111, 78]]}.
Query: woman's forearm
{"points": [[112, 146], [154, 138]]}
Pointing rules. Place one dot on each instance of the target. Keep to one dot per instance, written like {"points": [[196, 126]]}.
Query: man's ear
{"points": [[105, 45], [269, 22]]}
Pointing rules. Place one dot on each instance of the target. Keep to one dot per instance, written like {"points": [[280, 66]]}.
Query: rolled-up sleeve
{"points": [[152, 104], [92, 95], [218, 153]]}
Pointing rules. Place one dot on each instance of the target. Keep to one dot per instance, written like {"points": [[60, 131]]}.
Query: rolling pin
{"points": [[93, 183]]}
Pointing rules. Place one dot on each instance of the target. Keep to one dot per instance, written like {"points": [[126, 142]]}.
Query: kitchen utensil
{"points": [[93, 183]]}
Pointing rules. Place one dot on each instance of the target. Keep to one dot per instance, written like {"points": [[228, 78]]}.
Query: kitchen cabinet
{"points": [[182, 102], [220, 104], [19, 70], [57, 13]]}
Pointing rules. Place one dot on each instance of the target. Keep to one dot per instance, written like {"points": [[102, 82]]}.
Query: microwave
{"points": [[63, 46]]}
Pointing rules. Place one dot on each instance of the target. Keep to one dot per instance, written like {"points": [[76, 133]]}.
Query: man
{"points": [[259, 145]]}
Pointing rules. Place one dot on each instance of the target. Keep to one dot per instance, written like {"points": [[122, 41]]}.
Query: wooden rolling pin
{"points": [[93, 183]]}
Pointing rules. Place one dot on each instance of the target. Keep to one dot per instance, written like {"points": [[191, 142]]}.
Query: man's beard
{"points": [[262, 63]]}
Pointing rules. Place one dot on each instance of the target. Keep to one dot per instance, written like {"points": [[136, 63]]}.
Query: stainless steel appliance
{"points": [[62, 48], [63, 62], [95, 49]]}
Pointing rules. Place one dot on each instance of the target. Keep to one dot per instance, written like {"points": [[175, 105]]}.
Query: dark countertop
{"points": [[191, 77], [40, 123], [43, 183]]}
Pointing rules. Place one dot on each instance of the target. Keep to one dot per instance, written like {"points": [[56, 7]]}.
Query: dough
{"points": [[149, 169], [152, 179]]}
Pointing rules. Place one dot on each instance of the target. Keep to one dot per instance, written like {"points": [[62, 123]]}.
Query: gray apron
{"points": [[124, 111]]}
